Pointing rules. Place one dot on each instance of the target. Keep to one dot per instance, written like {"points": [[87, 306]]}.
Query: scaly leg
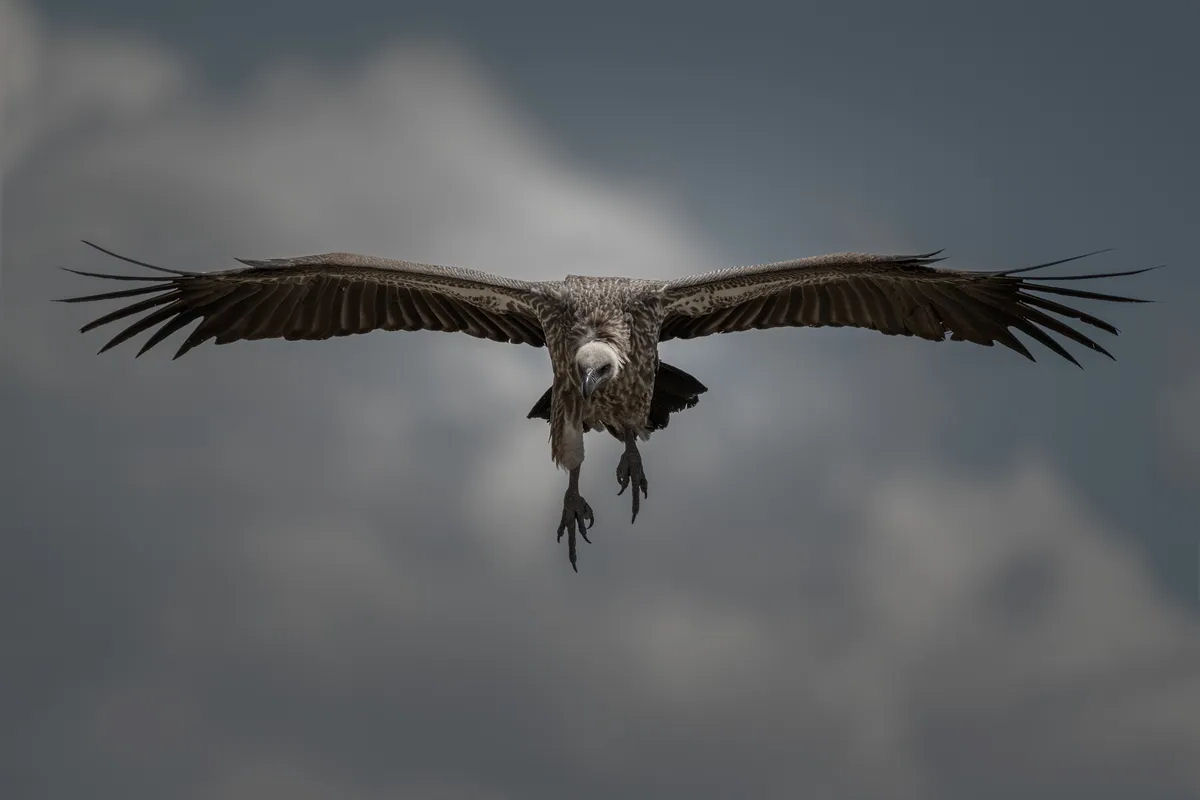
{"points": [[629, 469], [576, 513]]}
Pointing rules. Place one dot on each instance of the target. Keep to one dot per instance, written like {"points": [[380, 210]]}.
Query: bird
{"points": [[602, 333]]}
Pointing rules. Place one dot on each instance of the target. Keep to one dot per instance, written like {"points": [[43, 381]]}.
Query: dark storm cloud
{"points": [[868, 566]]}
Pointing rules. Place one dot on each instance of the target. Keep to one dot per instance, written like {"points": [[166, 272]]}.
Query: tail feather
{"points": [[674, 391], [541, 409]]}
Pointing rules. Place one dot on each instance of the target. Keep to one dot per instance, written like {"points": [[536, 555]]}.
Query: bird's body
{"points": [[602, 334], [622, 313]]}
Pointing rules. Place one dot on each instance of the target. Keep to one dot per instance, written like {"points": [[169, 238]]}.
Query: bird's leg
{"points": [[629, 469], [576, 513]]}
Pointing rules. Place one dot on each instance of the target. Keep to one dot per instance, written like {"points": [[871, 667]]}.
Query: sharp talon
{"points": [[630, 473], [576, 515]]}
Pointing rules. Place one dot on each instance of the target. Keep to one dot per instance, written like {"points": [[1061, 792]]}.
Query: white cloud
{"points": [[53, 90], [1002, 591]]}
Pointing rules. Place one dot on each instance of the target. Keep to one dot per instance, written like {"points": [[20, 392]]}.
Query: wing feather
{"points": [[887, 313], [897, 295], [170, 326], [317, 297], [142, 323]]}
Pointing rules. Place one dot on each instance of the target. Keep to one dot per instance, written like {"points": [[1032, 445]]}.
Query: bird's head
{"points": [[597, 363]]}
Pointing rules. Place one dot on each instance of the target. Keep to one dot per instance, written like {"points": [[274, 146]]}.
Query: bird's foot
{"points": [[577, 514], [629, 470]]}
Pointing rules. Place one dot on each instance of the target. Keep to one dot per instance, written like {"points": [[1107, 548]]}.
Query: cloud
{"points": [[329, 568], [1179, 427]]}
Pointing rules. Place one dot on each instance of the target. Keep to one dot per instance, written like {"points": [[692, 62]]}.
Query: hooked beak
{"points": [[590, 381]]}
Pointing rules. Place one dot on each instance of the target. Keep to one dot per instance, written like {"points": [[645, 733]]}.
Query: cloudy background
{"points": [[868, 566]]}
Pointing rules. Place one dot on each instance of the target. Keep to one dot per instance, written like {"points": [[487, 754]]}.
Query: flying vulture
{"points": [[603, 333]]}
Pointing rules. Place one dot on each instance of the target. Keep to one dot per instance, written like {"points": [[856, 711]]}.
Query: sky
{"points": [[868, 566]]}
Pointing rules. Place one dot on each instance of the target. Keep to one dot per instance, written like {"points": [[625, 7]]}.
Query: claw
{"points": [[629, 471], [577, 517], [623, 473]]}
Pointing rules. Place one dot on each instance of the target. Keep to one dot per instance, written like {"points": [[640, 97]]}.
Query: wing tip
{"points": [[1052, 263], [931, 256], [129, 260]]}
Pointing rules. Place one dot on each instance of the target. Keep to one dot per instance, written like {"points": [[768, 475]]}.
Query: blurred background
{"points": [[869, 566]]}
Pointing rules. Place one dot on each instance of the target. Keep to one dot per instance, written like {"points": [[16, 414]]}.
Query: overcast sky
{"points": [[868, 566]]}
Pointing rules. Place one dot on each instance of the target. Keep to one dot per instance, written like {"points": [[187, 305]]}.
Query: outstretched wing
{"points": [[891, 294], [316, 297]]}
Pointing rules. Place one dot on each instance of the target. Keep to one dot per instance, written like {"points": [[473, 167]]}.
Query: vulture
{"points": [[602, 334]]}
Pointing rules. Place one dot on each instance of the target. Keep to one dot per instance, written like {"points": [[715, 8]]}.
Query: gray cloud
{"points": [[302, 570], [1179, 426]]}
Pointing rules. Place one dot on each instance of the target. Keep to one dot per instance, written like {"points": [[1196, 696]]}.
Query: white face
{"points": [[597, 363]]}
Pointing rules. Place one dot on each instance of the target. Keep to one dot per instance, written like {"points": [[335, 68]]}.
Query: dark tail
{"points": [[674, 391]]}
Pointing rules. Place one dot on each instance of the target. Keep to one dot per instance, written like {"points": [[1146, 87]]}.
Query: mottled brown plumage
{"points": [[602, 333]]}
